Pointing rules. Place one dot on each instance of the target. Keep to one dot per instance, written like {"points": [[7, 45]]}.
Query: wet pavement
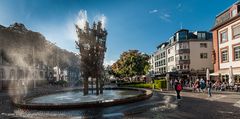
{"points": [[163, 105]]}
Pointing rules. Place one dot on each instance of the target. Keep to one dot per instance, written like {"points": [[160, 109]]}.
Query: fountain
{"points": [[92, 47]]}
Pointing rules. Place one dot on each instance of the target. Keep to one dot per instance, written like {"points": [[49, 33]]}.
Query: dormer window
{"points": [[182, 35], [234, 12], [201, 35]]}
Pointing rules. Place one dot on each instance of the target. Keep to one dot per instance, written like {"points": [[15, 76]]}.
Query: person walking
{"points": [[178, 88], [196, 87], [202, 85], [209, 88]]}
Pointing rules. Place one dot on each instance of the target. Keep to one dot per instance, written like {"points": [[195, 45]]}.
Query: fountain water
{"points": [[92, 47]]}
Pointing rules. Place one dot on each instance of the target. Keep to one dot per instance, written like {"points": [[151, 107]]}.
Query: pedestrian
{"points": [[196, 86], [209, 88], [202, 85], [178, 88]]}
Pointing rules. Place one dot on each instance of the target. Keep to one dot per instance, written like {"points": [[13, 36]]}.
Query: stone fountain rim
{"points": [[146, 94]]}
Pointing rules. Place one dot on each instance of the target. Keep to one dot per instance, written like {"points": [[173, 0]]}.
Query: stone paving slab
{"points": [[163, 105], [198, 106]]}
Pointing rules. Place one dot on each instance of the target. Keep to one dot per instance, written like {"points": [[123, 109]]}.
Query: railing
{"points": [[183, 62], [181, 51]]}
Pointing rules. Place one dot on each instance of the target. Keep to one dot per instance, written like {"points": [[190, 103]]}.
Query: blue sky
{"points": [[131, 24]]}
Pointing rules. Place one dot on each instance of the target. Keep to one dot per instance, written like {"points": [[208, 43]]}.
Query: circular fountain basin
{"points": [[75, 99]]}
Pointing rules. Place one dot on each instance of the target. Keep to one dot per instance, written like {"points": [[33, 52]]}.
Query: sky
{"points": [[131, 24]]}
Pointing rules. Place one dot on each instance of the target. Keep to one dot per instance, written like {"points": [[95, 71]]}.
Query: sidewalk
{"points": [[222, 105], [190, 89]]}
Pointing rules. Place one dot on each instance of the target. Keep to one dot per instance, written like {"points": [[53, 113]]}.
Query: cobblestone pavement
{"points": [[222, 105], [163, 105]]}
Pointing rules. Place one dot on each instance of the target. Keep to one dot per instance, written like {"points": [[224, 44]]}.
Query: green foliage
{"points": [[131, 63], [61, 82], [141, 85], [158, 84]]}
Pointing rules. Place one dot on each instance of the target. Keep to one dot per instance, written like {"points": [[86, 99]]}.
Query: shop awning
{"points": [[236, 71]]}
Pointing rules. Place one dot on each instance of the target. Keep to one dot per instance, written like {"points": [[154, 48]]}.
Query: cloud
{"points": [[153, 11], [165, 17], [108, 62], [179, 6], [163, 14]]}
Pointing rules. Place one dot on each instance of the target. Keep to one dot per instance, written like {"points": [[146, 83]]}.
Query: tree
{"points": [[131, 63]]}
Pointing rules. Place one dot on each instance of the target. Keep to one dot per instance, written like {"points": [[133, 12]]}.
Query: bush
{"points": [[61, 82], [158, 84], [142, 85]]}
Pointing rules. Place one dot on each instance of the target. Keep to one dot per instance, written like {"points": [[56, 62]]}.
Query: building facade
{"points": [[152, 66], [187, 55], [226, 43], [160, 63]]}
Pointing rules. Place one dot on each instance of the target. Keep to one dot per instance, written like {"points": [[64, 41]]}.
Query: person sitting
{"points": [[222, 87], [196, 86]]}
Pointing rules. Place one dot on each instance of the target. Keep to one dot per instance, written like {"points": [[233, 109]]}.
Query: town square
{"points": [[119, 59]]}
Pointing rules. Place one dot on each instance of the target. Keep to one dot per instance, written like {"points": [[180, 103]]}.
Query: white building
{"points": [[160, 62], [171, 53], [187, 55], [152, 66]]}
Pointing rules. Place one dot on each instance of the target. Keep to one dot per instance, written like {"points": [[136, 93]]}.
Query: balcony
{"points": [[182, 62], [181, 51]]}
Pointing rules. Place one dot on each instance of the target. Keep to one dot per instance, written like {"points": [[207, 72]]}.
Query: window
{"points": [[203, 45], [201, 35], [185, 46], [12, 74], [236, 53], [20, 74], [185, 57], [203, 55], [181, 67], [223, 36], [182, 35], [180, 45], [236, 31], [184, 67], [234, 12], [2, 74], [224, 55], [1, 59]]}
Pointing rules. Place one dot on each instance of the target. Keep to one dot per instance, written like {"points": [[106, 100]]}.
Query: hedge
{"points": [[158, 84]]}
